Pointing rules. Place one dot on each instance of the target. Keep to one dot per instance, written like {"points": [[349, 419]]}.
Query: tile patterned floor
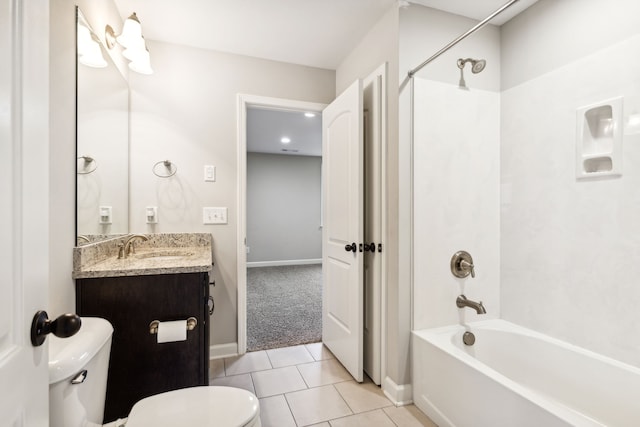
{"points": [[306, 386]]}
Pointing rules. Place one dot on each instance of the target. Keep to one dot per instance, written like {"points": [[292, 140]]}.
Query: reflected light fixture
{"points": [[285, 140], [133, 43], [309, 114], [89, 51]]}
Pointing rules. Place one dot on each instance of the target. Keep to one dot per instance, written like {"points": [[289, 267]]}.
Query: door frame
{"points": [[244, 102], [381, 73]]}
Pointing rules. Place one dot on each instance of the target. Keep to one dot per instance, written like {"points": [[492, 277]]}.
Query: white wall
{"points": [[570, 248], [283, 207], [186, 112], [424, 31], [554, 33], [456, 164]]}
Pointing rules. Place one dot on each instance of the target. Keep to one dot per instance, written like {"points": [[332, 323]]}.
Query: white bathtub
{"points": [[515, 377]]}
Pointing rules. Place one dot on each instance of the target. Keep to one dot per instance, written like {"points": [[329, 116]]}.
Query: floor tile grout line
{"points": [[290, 410], [302, 376], [343, 399]]}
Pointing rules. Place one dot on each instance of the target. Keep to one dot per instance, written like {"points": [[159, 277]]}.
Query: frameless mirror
{"points": [[102, 140]]}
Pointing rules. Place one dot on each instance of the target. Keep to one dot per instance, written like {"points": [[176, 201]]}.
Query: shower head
{"points": [[477, 65]]}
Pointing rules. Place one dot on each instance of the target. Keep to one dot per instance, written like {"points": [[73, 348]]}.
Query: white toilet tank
{"points": [[78, 368]]}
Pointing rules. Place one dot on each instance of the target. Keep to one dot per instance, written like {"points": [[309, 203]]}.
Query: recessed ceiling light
{"points": [[285, 140], [309, 114]]}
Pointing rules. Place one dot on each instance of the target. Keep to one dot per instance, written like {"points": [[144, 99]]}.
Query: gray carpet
{"points": [[284, 306]]}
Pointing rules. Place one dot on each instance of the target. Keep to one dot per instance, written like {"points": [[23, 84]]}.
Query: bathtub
{"points": [[515, 377]]}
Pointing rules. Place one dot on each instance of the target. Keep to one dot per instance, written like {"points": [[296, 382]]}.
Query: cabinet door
{"points": [[139, 366]]}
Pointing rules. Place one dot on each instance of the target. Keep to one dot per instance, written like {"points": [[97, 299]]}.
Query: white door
{"points": [[342, 237], [24, 219]]}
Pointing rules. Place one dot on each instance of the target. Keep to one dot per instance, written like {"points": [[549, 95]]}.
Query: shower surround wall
{"points": [[456, 165], [570, 248], [569, 254]]}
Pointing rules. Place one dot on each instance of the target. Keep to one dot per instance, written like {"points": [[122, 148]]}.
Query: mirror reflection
{"points": [[102, 140]]}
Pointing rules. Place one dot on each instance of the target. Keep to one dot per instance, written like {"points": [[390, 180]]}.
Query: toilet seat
{"points": [[197, 406]]}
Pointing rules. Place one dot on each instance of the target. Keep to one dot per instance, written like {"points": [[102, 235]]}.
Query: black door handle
{"points": [[370, 247], [64, 326], [351, 248]]}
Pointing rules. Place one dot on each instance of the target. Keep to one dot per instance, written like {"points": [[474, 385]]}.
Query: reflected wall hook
{"points": [[87, 161], [171, 169]]}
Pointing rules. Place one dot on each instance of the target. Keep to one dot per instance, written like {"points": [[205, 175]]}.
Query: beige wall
{"points": [[186, 112], [380, 45]]}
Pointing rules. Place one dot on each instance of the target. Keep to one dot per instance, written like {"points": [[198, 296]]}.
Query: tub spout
{"points": [[463, 301]]}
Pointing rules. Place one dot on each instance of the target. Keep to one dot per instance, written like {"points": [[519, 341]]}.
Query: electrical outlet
{"points": [[209, 173], [214, 215]]}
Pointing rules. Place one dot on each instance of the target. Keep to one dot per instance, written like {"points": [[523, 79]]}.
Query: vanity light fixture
{"points": [[285, 140], [132, 40], [89, 51], [309, 114]]}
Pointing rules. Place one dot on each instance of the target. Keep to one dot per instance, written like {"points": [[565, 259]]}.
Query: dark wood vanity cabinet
{"points": [[139, 366]]}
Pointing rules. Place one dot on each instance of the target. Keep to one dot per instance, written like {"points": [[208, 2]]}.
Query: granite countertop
{"points": [[161, 254]]}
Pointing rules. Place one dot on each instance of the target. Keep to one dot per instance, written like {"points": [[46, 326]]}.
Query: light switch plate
{"points": [[214, 215]]}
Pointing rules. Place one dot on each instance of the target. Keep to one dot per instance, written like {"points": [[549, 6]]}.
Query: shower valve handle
{"points": [[466, 265]]}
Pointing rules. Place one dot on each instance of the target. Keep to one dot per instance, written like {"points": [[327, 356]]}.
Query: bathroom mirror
{"points": [[102, 139]]}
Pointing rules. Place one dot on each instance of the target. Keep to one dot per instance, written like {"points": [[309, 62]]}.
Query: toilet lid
{"points": [[196, 406]]}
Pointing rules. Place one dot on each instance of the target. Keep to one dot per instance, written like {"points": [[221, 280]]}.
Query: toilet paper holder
{"points": [[191, 325]]}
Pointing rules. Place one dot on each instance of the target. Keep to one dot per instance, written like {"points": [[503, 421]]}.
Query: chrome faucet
{"points": [[128, 248], [463, 301]]}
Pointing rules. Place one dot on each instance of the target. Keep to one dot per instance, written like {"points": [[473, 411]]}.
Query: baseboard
{"points": [[219, 351], [400, 395], [284, 262]]}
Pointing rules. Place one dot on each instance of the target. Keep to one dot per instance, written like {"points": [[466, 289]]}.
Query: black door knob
{"points": [[351, 248], [370, 247], [64, 326]]}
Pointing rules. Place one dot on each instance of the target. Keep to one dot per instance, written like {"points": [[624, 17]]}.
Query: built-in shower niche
{"points": [[599, 139]]}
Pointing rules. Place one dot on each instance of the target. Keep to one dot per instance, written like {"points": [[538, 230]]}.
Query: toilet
{"points": [[78, 368]]}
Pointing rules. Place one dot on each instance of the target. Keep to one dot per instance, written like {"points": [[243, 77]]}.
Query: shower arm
{"points": [[462, 37]]}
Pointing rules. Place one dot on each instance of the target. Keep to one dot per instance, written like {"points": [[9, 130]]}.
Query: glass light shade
{"points": [[131, 32], [135, 50], [92, 56], [84, 40], [142, 63]]}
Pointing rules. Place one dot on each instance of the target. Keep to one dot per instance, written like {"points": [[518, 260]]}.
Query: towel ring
{"points": [[171, 169], [87, 161]]}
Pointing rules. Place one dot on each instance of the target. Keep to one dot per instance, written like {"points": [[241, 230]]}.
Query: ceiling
{"points": [[267, 127], [315, 33]]}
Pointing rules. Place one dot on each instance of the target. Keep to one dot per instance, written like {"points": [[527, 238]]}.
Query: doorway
{"points": [[283, 228], [269, 109]]}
